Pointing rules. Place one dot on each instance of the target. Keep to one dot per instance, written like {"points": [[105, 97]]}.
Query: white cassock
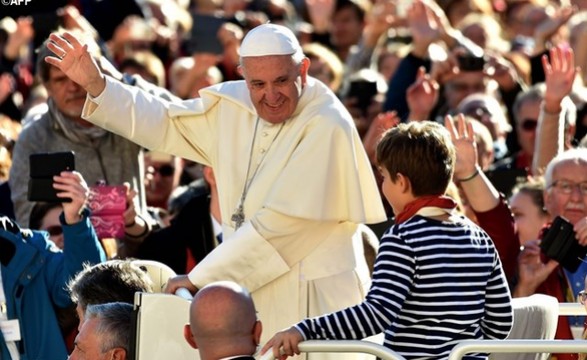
{"points": [[298, 252]]}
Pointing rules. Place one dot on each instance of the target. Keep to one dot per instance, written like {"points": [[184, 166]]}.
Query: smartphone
{"points": [[204, 35], [43, 166]]}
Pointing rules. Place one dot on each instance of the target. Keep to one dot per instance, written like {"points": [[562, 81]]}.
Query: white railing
{"points": [[571, 309], [464, 347], [349, 346], [517, 346]]}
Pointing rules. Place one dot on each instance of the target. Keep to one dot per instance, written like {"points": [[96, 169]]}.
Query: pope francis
{"points": [[293, 178]]}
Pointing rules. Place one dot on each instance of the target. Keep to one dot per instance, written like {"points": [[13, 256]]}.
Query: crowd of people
{"points": [[338, 162]]}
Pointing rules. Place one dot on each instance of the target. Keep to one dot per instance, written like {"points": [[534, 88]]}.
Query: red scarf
{"points": [[413, 207]]}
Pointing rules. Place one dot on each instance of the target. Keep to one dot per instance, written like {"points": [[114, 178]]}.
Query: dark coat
{"points": [[190, 228]]}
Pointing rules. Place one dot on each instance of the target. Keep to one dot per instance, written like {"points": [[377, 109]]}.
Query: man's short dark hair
{"points": [[110, 281]]}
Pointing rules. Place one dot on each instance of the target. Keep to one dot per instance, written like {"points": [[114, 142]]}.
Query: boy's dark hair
{"points": [[421, 151], [110, 281]]}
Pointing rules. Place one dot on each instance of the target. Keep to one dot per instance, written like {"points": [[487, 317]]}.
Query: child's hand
{"points": [[71, 184], [284, 343]]}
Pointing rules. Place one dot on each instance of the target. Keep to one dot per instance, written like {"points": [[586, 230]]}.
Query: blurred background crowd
{"points": [[517, 69]]}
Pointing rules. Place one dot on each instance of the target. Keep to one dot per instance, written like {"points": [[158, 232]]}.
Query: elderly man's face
{"points": [[275, 84], [573, 205], [69, 97], [87, 345]]}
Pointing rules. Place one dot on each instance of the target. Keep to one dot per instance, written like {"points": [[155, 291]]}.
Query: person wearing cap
{"points": [[293, 178]]}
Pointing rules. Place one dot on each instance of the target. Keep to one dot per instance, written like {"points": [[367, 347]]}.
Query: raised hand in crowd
{"points": [[502, 71], [72, 19], [463, 139], [21, 36], [230, 35], [320, 13], [379, 125], [378, 21], [76, 62], [422, 96], [486, 205], [443, 71], [548, 29], [424, 26], [560, 73], [186, 85], [551, 135]]}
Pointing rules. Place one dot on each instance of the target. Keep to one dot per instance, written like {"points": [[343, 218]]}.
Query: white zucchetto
{"points": [[269, 39]]}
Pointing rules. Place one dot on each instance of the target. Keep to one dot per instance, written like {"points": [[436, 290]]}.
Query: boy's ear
{"points": [[404, 182]]}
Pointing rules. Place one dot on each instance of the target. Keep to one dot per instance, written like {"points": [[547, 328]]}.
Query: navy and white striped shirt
{"points": [[435, 283]]}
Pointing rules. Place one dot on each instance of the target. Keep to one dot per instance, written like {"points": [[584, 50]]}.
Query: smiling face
{"points": [[275, 85], [572, 206]]}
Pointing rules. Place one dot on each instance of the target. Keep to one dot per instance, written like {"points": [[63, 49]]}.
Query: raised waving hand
{"points": [[74, 59]]}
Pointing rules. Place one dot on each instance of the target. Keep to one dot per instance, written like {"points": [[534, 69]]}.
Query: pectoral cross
{"points": [[238, 217]]}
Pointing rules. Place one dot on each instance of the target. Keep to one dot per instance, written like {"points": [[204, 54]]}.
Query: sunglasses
{"points": [[529, 124], [54, 230], [163, 170]]}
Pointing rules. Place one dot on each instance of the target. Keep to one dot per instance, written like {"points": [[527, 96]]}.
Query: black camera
{"points": [[470, 62], [559, 243], [43, 166]]}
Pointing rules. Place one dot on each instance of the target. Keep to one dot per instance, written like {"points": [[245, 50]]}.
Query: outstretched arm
{"points": [[560, 72], [482, 196]]}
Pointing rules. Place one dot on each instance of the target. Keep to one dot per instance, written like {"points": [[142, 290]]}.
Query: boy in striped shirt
{"points": [[437, 278]]}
